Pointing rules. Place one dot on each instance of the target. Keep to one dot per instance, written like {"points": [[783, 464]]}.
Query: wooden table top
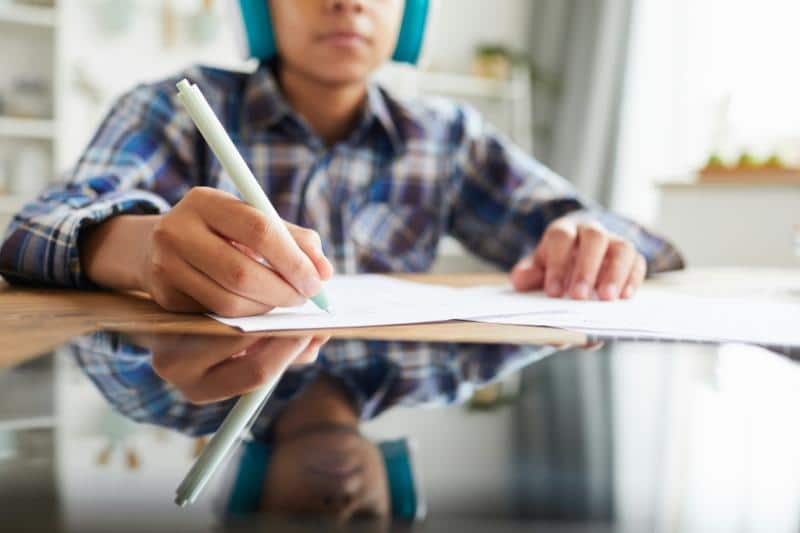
{"points": [[33, 321]]}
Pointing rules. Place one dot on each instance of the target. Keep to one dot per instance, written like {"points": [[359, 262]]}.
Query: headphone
{"points": [[259, 35]]}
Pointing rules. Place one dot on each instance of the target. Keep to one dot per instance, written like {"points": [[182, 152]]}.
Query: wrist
{"points": [[113, 253]]}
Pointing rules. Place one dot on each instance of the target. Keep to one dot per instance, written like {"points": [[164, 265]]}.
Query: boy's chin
{"points": [[343, 74]]}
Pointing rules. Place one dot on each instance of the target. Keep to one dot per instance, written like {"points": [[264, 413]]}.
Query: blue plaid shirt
{"points": [[381, 199], [378, 375]]}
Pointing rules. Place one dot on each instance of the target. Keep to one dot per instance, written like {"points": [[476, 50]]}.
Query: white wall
{"points": [[459, 25]]}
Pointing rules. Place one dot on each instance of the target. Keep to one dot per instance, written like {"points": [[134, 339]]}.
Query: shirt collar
{"points": [[265, 106]]}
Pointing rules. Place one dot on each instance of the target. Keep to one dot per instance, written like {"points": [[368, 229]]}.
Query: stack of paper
{"points": [[668, 316], [372, 300]]}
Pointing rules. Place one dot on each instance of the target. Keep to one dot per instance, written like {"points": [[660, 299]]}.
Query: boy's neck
{"points": [[324, 401], [329, 109]]}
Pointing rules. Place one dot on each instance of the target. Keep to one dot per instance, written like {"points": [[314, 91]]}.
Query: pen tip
{"points": [[321, 301]]}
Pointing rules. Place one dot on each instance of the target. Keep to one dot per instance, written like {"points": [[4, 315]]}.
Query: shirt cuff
{"points": [[129, 203], [42, 244]]}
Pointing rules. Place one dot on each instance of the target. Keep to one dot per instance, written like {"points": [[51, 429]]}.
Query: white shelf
{"points": [[30, 128], [467, 85], [22, 424], [28, 15]]}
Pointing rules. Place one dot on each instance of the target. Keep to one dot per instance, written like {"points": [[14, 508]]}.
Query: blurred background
{"points": [[681, 114]]}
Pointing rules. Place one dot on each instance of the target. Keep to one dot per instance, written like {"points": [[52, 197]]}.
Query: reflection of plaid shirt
{"points": [[379, 375], [409, 173]]}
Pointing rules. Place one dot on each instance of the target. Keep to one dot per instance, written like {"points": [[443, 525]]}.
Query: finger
{"points": [[308, 240], [591, 249], [270, 239], [264, 361], [182, 359], [163, 267], [310, 354], [558, 243], [636, 278], [616, 270], [593, 346], [209, 294], [236, 272], [311, 244], [527, 274], [175, 301], [563, 346]]}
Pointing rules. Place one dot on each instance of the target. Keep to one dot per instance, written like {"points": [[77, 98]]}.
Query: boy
{"points": [[379, 181]]}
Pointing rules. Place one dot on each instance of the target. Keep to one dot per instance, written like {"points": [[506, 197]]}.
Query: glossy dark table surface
{"points": [[382, 435]]}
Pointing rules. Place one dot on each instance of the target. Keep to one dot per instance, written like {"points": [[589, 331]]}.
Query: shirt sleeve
{"points": [[504, 199], [124, 375], [139, 162]]}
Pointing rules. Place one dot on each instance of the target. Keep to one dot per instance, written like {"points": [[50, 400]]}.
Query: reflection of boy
{"points": [[378, 180], [313, 409]]}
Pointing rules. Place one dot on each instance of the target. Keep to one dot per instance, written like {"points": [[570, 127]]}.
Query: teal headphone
{"points": [[259, 35], [407, 501]]}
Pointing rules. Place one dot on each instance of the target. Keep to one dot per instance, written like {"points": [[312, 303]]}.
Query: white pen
{"points": [[233, 163], [223, 440]]}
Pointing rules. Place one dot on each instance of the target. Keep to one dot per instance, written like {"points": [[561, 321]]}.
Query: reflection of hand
{"points": [[208, 368], [589, 346]]}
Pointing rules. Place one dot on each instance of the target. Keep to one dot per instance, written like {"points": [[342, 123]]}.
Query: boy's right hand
{"points": [[192, 265], [187, 261]]}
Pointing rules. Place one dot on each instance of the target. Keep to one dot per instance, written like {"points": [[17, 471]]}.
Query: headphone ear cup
{"points": [[412, 31], [257, 28]]}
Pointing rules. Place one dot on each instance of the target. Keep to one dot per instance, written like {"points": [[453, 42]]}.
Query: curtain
{"points": [[579, 51]]}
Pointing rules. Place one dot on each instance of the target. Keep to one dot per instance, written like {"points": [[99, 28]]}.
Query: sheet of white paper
{"points": [[376, 300], [373, 300], [669, 316]]}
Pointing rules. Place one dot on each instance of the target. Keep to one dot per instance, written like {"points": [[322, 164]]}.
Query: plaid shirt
{"points": [[379, 375], [381, 199]]}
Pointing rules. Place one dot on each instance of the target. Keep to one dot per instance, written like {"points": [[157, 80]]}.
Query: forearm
{"points": [[113, 253]]}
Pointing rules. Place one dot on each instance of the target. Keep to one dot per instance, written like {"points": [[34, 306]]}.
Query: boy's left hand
{"points": [[575, 259]]}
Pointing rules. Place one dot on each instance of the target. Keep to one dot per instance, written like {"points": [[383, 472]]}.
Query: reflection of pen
{"points": [[233, 163], [223, 440]]}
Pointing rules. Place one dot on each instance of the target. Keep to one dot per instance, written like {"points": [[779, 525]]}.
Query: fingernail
{"points": [[310, 287], [554, 287], [525, 264], [611, 291], [629, 291], [581, 290]]}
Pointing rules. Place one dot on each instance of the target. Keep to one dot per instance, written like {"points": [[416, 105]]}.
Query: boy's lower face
{"points": [[336, 41]]}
